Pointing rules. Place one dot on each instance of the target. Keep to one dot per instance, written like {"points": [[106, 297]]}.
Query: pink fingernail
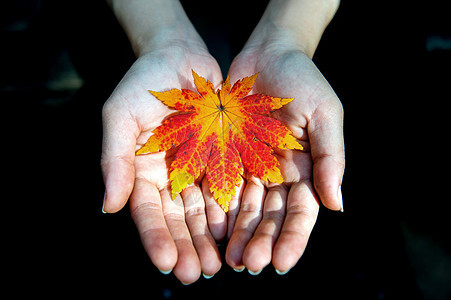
{"points": [[282, 273], [165, 272], [340, 199], [103, 205], [239, 269], [255, 273], [207, 276]]}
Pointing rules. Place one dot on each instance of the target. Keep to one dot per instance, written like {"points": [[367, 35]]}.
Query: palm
{"points": [[273, 221], [159, 72], [291, 75], [173, 233]]}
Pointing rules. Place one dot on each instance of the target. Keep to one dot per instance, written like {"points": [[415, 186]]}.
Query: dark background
{"points": [[389, 64]]}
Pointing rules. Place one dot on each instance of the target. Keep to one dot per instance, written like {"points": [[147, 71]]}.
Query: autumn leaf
{"points": [[221, 133]]}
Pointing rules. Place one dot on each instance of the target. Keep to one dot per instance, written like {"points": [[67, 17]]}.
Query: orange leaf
{"points": [[222, 133]]}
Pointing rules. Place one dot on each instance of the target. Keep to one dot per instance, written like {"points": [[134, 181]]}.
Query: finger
{"points": [[258, 252], [247, 221], [216, 217], [302, 211], [147, 213], [188, 268], [327, 149], [118, 153], [234, 208], [196, 220]]}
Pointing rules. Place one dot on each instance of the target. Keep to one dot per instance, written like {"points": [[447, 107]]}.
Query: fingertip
{"points": [[210, 260], [110, 206], [115, 200], [161, 249], [330, 197], [257, 255], [165, 263], [187, 271], [234, 253], [210, 270], [119, 181], [327, 179], [287, 253]]}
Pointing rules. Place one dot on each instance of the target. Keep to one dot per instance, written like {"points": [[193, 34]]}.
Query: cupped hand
{"points": [[175, 233], [272, 222]]}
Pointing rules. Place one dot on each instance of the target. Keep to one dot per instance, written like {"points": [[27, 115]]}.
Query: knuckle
{"points": [[302, 211], [250, 207], [195, 211], [276, 215], [147, 208]]}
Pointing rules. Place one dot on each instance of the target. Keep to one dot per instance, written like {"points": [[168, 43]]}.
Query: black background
{"points": [[389, 64]]}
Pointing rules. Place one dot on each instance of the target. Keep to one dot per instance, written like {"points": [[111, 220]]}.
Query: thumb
{"points": [[118, 155], [327, 149]]}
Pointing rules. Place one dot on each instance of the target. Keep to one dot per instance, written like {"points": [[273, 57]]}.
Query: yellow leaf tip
{"points": [[179, 181], [139, 152], [225, 208], [252, 78], [195, 75], [144, 150]]}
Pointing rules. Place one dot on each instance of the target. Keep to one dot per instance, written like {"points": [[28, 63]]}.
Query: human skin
{"points": [[273, 221], [266, 222]]}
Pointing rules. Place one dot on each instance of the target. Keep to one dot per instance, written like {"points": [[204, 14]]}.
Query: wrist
{"points": [[153, 24], [293, 24], [178, 35]]}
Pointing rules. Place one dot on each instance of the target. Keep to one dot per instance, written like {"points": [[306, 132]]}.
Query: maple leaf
{"points": [[221, 133]]}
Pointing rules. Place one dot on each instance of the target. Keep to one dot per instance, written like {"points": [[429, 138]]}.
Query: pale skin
{"points": [[267, 223]]}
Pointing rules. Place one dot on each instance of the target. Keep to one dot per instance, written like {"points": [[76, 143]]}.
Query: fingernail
{"points": [[340, 199], [103, 205], [239, 269], [207, 276], [255, 273], [165, 272], [185, 284], [282, 273]]}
